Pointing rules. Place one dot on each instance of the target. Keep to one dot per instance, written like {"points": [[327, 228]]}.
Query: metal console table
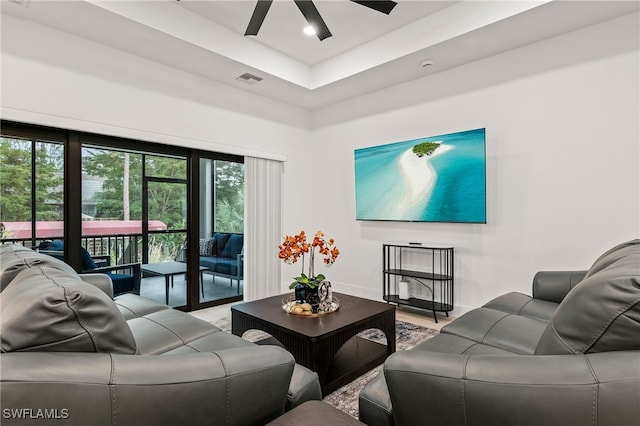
{"points": [[418, 276]]}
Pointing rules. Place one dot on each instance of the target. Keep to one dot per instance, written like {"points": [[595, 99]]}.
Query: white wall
{"points": [[563, 162], [562, 143], [54, 78]]}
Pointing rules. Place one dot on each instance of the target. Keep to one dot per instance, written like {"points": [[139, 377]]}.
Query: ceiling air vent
{"points": [[249, 78]]}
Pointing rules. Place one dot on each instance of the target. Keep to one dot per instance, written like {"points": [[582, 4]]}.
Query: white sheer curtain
{"points": [[262, 227]]}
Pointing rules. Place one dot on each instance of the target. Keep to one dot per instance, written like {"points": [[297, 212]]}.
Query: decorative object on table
{"points": [[325, 296], [295, 247], [292, 306]]}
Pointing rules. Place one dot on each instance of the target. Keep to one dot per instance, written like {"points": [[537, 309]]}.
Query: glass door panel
{"points": [[111, 205], [221, 231], [31, 191], [165, 267]]}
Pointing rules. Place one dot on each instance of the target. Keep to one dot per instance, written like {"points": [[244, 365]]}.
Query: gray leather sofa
{"points": [[73, 355], [569, 355]]}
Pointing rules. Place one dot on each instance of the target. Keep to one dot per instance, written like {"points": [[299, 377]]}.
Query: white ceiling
{"points": [[369, 51], [351, 24]]}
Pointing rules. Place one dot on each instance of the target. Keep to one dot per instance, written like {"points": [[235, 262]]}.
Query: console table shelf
{"points": [[427, 272]]}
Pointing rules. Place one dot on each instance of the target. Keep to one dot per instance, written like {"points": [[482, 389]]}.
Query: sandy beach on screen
{"points": [[419, 177]]}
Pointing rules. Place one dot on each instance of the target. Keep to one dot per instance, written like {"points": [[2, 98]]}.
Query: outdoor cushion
{"points": [[207, 246], [226, 266], [221, 240], [233, 247], [121, 282], [87, 261], [58, 245], [45, 309]]}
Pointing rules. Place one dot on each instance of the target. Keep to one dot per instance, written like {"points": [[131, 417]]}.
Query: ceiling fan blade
{"points": [[381, 6], [313, 17], [258, 16]]}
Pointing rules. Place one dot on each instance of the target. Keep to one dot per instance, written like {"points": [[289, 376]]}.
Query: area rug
{"points": [[407, 336], [346, 398]]}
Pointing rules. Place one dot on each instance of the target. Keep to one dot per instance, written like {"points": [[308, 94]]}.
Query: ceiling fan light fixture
{"points": [[309, 30], [311, 14]]}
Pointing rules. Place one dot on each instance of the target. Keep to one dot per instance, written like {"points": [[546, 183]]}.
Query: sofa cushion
{"points": [[16, 258], [613, 255], [46, 309], [233, 247], [602, 313], [450, 344], [523, 305], [133, 306], [512, 333], [164, 330]]}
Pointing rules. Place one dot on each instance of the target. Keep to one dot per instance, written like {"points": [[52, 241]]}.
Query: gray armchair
{"points": [[569, 355], [70, 352]]}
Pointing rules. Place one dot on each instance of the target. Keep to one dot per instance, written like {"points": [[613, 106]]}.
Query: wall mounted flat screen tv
{"points": [[433, 179]]}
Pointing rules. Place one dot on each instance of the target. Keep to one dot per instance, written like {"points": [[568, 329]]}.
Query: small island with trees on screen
{"points": [[425, 148]]}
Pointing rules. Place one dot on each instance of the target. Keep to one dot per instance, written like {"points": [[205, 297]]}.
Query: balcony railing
{"points": [[121, 249], [121, 240]]}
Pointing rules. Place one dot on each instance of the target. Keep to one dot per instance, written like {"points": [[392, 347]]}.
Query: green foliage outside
{"points": [[425, 148], [115, 174], [15, 180], [229, 190], [167, 200]]}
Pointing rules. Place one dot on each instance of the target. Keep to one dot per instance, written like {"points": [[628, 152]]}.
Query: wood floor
{"points": [[421, 317]]}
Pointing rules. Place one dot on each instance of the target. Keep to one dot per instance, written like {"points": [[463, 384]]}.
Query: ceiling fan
{"points": [[311, 14]]}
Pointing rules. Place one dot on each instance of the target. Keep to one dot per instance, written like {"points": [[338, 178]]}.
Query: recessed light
{"points": [[309, 30]]}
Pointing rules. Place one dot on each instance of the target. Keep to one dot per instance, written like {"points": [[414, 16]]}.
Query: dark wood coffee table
{"points": [[325, 344]]}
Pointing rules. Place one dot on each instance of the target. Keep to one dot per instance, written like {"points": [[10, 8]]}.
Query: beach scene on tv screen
{"points": [[433, 179]]}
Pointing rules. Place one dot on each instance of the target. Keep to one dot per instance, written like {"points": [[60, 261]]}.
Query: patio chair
{"points": [[122, 282]]}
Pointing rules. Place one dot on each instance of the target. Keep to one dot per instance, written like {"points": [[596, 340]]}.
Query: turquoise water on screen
{"points": [[459, 190]]}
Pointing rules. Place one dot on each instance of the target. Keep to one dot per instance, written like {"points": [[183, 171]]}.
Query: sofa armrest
{"points": [[102, 281], [243, 386], [553, 286], [600, 388]]}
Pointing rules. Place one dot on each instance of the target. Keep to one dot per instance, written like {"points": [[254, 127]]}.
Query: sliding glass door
{"points": [[221, 229], [134, 207], [165, 239], [139, 208]]}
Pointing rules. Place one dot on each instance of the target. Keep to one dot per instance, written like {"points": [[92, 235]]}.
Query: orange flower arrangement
{"points": [[296, 246]]}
